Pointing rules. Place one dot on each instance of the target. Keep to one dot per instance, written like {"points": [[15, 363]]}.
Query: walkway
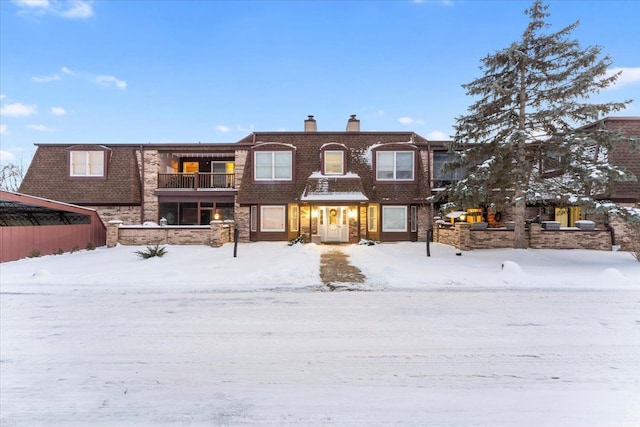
{"points": [[336, 272]]}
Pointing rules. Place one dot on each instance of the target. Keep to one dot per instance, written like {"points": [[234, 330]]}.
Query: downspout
{"points": [[142, 184]]}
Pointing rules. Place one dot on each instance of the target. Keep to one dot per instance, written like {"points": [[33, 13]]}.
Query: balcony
{"points": [[196, 181]]}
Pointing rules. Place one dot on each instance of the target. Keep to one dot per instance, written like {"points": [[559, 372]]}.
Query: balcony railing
{"points": [[195, 181]]}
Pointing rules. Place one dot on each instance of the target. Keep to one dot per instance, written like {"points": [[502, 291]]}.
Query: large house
{"points": [[326, 186], [329, 186]]}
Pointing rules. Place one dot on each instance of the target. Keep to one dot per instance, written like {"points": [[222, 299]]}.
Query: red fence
{"points": [[21, 241]]}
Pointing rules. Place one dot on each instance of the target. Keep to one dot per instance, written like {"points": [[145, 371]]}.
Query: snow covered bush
{"points": [[299, 239]]}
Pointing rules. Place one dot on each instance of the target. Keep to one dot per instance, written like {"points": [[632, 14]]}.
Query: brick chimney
{"points": [[310, 124], [353, 124]]}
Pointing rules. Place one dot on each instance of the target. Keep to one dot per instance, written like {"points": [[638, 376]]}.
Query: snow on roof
{"points": [[351, 196]]}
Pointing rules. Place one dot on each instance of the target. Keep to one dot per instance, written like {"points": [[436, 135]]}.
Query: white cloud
{"points": [[67, 71], [70, 9], [40, 128], [45, 79], [79, 9], [6, 156], [629, 76], [33, 4], [3, 129], [108, 81], [223, 128], [2, 96], [58, 111], [437, 135], [18, 110], [410, 121], [380, 113]]}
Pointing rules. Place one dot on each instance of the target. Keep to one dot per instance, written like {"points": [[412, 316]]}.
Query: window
{"points": [[254, 218], [334, 162], [372, 218], [394, 218], [272, 218], [440, 177], [414, 219], [273, 166], [394, 165], [86, 163], [293, 218]]}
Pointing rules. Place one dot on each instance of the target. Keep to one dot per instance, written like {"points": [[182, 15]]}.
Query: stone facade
{"points": [[151, 167], [126, 214], [216, 234], [466, 239]]}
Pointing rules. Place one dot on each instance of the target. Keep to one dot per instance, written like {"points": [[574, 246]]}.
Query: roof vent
{"points": [[353, 124]]}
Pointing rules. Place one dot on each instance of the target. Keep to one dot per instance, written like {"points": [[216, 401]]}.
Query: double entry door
{"points": [[333, 224]]}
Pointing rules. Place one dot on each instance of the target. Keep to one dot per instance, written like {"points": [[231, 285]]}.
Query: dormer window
{"points": [[87, 163], [395, 165], [334, 162], [273, 166]]}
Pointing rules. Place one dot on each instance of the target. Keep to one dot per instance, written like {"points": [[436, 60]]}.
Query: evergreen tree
{"points": [[524, 138]]}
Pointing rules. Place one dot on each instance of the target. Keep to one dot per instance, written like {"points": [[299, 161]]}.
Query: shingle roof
{"points": [[47, 178], [306, 182]]}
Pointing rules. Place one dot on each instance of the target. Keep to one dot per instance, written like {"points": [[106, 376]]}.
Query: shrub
{"points": [[299, 239], [34, 254], [152, 251], [90, 246], [76, 248], [58, 251], [367, 242]]}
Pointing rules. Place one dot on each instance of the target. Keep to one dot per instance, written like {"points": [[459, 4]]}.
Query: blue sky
{"points": [[214, 71]]}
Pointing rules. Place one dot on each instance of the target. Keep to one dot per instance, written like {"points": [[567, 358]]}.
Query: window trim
{"points": [[273, 165], [283, 217], [70, 156], [253, 220], [372, 220], [414, 218], [395, 165], [294, 215], [324, 162], [394, 230]]}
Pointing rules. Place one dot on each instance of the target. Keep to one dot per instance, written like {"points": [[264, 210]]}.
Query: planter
{"points": [[479, 225], [551, 225], [586, 225]]}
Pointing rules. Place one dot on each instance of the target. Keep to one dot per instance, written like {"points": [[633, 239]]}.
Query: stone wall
{"points": [[126, 214], [216, 234], [466, 239], [569, 239], [491, 238]]}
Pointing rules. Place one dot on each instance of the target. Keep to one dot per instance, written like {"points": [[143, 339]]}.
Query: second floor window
{"points": [[394, 166], [273, 166], [86, 163], [441, 177], [334, 162]]}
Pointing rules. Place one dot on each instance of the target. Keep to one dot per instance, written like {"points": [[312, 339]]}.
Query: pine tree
{"points": [[523, 139]]}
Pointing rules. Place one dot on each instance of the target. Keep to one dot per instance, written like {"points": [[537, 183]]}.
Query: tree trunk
{"points": [[519, 218]]}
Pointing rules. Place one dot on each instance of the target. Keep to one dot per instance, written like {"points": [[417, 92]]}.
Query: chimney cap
{"points": [[353, 117], [310, 117]]}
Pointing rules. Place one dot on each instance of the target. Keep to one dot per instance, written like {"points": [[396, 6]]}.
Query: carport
{"points": [[30, 225]]}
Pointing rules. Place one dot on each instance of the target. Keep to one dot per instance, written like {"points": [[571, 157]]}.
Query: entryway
{"points": [[333, 224]]}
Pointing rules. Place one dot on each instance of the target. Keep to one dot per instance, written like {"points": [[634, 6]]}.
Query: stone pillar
{"points": [[113, 228], [216, 233], [151, 168], [463, 234], [535, 236]]}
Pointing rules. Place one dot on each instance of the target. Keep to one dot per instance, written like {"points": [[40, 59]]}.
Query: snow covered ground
{"points": [[198, 337]]}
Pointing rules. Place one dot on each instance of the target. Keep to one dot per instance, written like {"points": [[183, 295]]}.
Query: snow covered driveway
{"points": [[461, 357]]}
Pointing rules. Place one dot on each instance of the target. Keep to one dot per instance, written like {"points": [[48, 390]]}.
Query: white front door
{"points": [[333, 224]]}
